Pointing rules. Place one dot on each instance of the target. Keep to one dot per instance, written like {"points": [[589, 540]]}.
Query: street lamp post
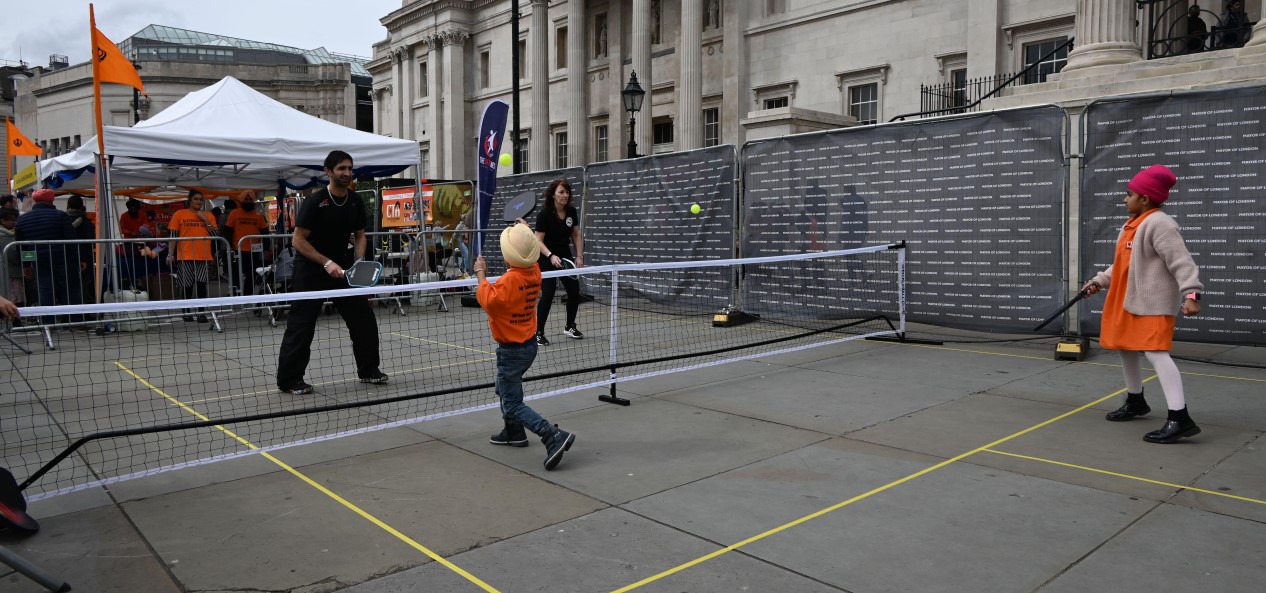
{"points": [[633, 96]]}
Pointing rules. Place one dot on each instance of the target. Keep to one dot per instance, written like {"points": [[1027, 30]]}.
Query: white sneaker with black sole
{"points": [[573, 333]]}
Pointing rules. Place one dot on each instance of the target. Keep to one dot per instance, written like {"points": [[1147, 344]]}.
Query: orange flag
{"points": [[19, 144], [111, 64]]}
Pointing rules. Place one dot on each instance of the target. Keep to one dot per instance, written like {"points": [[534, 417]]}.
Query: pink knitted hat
{"points": [[1154, 182], [43, 195]]}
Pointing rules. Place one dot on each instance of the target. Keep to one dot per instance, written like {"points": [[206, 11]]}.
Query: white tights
{"points": [[1166, 372]]}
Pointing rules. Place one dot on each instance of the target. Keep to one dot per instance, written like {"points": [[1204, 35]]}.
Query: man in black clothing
{"points": [[329, 236]]}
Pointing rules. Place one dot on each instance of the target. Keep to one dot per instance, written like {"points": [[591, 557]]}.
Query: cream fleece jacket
{"points": [[1161, 268]]}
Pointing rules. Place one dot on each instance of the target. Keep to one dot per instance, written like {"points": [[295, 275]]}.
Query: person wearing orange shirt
{"points": [[1150, 274], [130, 222], [192, 259], [243, 222], [511, 307]]}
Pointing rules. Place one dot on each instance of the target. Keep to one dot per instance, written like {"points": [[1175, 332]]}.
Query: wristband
{"points": [[327, 263], [1193, 295]]}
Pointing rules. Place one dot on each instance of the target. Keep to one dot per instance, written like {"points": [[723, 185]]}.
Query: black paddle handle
{"points": [[1081, 294]]}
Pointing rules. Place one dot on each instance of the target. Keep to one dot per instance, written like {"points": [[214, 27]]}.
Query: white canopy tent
{"points": [[229, 135]]}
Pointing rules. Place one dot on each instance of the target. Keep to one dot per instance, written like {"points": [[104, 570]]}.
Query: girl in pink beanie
{"points": [[1151, 272]]}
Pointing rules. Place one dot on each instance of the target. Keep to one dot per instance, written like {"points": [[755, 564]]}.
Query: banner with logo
{"points": [[1214, 142], [400, 209], [492, 127]]}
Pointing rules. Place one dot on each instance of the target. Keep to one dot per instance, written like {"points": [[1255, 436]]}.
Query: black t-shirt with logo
{"points": [[557, 231], [331, 226]]}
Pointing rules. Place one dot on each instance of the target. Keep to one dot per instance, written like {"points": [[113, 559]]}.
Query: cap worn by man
{"points": [[44, 196]]}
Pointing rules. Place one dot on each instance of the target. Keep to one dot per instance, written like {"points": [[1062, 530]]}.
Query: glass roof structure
{"points": [[162, 42]]}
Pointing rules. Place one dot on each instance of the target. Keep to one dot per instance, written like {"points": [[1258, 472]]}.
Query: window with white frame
{"points": [[662, 131], [1047, 57], [425, 164], [775, 94], [424, 79], [521, 156], [485, 67], [560, 149], [862, 92], [1030, 42], [712, 126], [600, 143]]}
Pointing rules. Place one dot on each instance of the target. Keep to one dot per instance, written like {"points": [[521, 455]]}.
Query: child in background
{"points": [[511, 307]]}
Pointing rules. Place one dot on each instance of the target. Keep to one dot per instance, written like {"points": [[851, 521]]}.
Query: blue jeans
{"points": [[512, 361]]}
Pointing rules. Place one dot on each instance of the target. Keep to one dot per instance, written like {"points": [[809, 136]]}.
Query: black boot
{"points": [[555, 444], [1178, 426], [512, 435], [1134, 407]]}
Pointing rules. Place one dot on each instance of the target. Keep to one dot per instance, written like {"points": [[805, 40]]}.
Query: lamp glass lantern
{"points": [[633, 95]]}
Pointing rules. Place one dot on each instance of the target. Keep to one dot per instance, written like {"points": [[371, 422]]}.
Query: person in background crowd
{"points": [[1234, 27], [130, 221], [1151, 273], [1197, 31], [85, 229], [192, 259], [8, 201], [56, 268], [241, 223], [12, 257]]}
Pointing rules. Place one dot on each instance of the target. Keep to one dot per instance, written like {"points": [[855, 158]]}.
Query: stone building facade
{"points": [[55, 108], [728, 71]]}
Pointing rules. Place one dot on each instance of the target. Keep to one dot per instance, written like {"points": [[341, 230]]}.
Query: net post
{"points": [[614, 343]]}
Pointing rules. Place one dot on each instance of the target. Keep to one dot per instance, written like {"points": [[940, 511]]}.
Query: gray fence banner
{"points": [[979, 199], [513, 185], [641, 211], [1214, 143]]}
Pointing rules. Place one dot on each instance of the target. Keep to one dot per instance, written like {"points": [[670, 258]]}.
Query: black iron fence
{"points": [[961, 96], [1175, 29]]}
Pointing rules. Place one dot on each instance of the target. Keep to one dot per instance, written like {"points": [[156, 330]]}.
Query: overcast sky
{"points": [[34, 29]]}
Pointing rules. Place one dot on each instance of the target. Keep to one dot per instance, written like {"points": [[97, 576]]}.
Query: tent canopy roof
{"points": [[229, 134]]}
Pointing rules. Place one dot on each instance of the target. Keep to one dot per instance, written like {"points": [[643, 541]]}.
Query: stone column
{"points": [[375, 95], [395, 97], [1258, 39], [577, 84], [538, 46], [1105, 35], [737, 73], [434, 132], [690, 90], [617, 76], [641, 55], [456, 148], [407, 93]]}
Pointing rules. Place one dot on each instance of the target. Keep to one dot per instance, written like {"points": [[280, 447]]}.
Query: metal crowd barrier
{"points": [[64, 273]]}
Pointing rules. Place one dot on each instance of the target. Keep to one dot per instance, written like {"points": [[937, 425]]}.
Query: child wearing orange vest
{"points": [[511, 306], [1149, 272]]}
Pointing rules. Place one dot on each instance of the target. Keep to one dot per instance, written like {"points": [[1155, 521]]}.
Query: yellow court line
{"points": [[868, 494], [326, 491], [439, 343], [1127, 476]]}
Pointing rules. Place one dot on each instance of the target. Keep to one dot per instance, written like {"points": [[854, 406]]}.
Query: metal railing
{"points": [[1026, 74], [1173, 31], [961, 97]]}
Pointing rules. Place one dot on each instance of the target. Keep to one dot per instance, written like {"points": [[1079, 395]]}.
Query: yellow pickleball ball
{"points": [[506, 160], [695, 209]]}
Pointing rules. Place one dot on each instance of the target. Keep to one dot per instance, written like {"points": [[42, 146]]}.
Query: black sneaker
{"points": [[512, 435], [573, 333], [375, 378], [541, 340], [555, 444], [203, 319], [299, 388]]}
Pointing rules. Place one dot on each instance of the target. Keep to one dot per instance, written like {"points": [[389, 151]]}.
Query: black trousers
{"points": [[548, 287], [296, 344]]}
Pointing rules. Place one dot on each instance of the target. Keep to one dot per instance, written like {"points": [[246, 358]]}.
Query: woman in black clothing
{"points": [[556, 226]]}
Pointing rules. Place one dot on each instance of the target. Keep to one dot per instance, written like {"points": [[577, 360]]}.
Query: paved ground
{"points": [[863, 467]]}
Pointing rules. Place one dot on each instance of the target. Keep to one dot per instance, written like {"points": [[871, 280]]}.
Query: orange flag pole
{"points": [[101, 153]]}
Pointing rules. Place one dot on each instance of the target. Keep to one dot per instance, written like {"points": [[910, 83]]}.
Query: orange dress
{"points": [[1121, 329]]}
